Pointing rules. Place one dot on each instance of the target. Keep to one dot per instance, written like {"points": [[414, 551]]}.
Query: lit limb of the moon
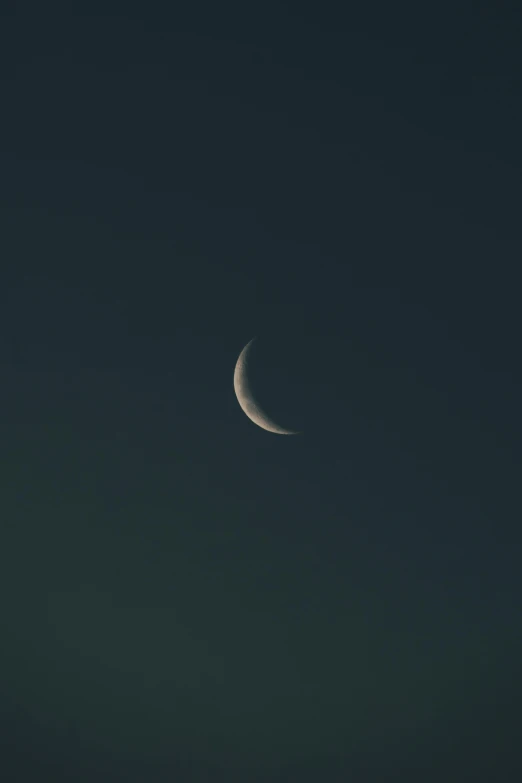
{"points": [[246, 398]]}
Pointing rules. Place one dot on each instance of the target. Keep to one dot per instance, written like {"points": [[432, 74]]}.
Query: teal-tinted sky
{"points": [[188, 597]]}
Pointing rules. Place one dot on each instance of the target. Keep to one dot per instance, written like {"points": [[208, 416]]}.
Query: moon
{"points": [[246, 398]]}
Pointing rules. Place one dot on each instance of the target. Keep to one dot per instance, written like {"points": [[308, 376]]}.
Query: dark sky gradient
{"points": [[185, 596]]}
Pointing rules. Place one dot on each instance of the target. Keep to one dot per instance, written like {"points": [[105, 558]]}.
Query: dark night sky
{"points": [[185, 596]]}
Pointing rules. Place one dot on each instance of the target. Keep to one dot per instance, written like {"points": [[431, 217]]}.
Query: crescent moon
{"points": [[246, 398]]}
